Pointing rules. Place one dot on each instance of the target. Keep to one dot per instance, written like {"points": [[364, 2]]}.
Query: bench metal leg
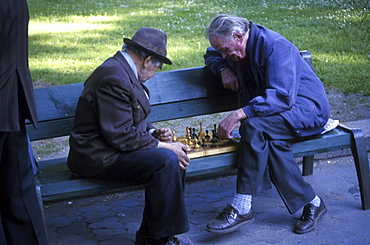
{"points": [[39, 198], [362, 166], [307, 165]]}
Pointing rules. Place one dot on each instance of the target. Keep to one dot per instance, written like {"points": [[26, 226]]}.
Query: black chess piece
{"points": [[214, 137], [204, 143], [197, 139], [207, 137], [193, 134], [215, 131]]}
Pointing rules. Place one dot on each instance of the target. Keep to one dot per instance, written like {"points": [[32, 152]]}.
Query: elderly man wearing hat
{"points": [[112, 140]]}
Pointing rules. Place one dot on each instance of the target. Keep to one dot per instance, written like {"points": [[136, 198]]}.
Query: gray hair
{"points": [[225, 26], [142, 53]]}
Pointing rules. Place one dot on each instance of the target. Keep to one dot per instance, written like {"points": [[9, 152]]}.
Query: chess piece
{"points": [[214, 136], [193, 134], [204, 143], [188, 138], [174, 138], [187, 132], [195, 141], [215, 131], [201, 133], [207, 137]]}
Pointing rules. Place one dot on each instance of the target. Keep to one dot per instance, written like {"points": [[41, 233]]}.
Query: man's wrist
{"points": [[240, 114]]}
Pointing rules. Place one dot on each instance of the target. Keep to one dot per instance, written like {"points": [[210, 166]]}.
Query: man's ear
{"points": [[148, 61], [238, 36]]}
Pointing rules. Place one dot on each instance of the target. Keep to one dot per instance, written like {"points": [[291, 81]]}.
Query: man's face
{"points": [[230, 48]]}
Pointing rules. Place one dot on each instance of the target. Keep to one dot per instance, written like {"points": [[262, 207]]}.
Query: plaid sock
{"points": [[316, 201]]}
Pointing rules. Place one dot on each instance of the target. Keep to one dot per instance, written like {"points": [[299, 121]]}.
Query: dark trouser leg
{"points": [[158, 169], [266, 156], [20, 210]]}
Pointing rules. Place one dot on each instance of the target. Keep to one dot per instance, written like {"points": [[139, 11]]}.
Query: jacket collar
{"points": [[142, 97], [119, 57]]}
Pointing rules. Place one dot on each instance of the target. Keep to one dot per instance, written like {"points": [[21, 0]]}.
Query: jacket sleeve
{"points": [[214, 61], [121, 120], [282, 79]]}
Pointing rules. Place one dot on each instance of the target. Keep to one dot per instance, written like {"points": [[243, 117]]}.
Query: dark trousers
{"points": [[266, 157], [158, 170], [20, 211]]}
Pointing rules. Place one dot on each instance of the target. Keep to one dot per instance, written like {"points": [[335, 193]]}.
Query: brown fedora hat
{"points": [[151, 40]]}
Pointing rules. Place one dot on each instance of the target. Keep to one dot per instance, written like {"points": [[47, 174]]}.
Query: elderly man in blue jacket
{"points": [[280, 99]]}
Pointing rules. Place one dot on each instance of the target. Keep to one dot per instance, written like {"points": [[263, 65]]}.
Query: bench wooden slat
{"points": [[57, 102], [50, 129], [189, 84], [189, 92], [334, 140], [191, 108]]}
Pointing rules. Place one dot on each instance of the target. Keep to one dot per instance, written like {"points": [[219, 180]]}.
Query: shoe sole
{"points": [[231, 229], [314, 226]]}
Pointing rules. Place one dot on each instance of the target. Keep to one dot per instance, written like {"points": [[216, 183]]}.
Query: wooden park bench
{"points": [[174, 95]]}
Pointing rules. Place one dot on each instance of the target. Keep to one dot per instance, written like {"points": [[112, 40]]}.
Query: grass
{"points": [[69, 39]]}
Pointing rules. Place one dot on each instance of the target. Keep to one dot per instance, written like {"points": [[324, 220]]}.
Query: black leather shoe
{"points": [[142, 240], [310, 216], [178, 241], [145, 240], [229, 220]]}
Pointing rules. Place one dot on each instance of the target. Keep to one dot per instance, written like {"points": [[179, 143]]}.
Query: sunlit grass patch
{"points": [[69, 39]]}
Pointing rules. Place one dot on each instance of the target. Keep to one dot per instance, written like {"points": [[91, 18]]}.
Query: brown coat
{"points": [[110, 118]]}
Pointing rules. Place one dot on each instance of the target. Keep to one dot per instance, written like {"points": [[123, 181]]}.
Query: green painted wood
{"points": [[173, 94], [50, 129], [195, 107], [334, 140]]}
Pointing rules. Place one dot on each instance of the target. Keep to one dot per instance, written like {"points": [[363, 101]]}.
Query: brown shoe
{"points": [[310, 216], [229, 220]]}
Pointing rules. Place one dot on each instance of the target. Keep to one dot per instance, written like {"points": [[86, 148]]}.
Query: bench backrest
{"points": [[173, 94]]}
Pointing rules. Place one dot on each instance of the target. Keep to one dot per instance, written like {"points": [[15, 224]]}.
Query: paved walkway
{"points": [[114, 218]]}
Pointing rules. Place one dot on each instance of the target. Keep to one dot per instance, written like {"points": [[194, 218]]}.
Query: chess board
{"points": [[211, 149]]}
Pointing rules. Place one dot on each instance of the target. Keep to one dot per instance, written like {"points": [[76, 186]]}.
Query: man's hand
{"points": [[180, 149], [163, 134], [229, 79], [228, 124]]}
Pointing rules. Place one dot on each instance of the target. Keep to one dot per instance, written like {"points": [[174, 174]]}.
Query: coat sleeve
{"points": [[121, 117], [214, 61], [282, 79]]}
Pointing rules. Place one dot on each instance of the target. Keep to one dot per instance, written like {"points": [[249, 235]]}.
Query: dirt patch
{"points": [[348, 108]]}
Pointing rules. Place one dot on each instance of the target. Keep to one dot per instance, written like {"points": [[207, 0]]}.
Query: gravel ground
{"points": [[345, 108]]}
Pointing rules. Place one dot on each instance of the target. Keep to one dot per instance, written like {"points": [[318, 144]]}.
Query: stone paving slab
{"points": [[113, 219]]}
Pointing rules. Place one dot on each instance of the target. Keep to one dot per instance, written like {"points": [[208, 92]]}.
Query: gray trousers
{"points": [[266, 157]]}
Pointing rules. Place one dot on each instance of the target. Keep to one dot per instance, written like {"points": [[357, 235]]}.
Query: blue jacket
{"points": [[275, 79]]}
